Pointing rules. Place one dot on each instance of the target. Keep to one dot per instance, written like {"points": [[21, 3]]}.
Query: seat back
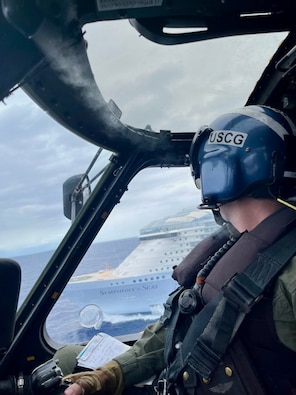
{"points": [[10, 281]]}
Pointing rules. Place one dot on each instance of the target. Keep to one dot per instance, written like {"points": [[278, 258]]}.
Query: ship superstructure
{"points": [[141, 283]]}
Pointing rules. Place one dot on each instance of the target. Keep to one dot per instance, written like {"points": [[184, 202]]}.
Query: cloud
{"points": [[37, 156], [177, 88]]}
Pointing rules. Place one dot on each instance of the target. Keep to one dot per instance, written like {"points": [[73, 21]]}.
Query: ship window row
{"points": [[171, 260], [148, 279], [182, 251], [140, 280]]}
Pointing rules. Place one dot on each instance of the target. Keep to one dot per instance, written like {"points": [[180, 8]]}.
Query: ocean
{"points": [[63, 324]]}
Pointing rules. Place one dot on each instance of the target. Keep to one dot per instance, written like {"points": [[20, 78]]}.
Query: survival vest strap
{"points": [[214, 327], [169, 319]]}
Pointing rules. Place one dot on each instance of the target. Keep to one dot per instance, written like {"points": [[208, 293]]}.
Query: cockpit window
{"points": [[39, 157], [177, 87], [126, 275]]}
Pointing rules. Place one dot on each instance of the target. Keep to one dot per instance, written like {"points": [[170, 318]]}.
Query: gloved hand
{"points": [[106, 380]]}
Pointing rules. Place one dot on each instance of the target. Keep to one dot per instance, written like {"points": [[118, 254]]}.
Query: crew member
{"points": [[244, 163]]}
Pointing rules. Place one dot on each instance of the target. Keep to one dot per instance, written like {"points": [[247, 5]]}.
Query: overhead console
{"points": [[173, 22]]}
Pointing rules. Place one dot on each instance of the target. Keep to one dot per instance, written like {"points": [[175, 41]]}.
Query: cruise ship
{"points": [[141, 282]]}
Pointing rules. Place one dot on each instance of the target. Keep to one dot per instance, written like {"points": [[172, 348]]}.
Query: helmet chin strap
{"points": [[218, 217], [215, 210]]}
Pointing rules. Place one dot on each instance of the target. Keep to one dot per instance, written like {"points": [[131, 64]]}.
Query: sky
{"points": [[178, 88]]}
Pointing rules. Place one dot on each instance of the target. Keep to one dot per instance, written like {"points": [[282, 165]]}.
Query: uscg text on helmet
{"points": [[227, 137]]}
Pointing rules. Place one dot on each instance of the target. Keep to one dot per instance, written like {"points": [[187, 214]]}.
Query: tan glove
{"points": [[106, 380]]}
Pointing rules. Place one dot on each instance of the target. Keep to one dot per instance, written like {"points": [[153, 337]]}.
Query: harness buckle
{"points": [[241, 291]]}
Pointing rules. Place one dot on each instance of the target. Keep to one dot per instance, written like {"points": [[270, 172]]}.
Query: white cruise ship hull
{"points": [[130, 295]]}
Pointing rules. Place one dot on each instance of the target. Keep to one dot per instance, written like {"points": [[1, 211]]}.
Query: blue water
{"points": [[63, 323]]}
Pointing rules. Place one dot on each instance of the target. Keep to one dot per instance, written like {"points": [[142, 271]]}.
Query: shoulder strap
{"points": [[215, 326], [169, 320]]}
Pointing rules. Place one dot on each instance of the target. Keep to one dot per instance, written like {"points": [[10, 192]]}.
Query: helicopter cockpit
{"points": [[45, 54]]}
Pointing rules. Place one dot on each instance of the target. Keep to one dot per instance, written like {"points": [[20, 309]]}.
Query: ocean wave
{"points": [[116, 319]]}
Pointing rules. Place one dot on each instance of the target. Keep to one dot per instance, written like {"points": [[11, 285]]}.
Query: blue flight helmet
{"points": [[248, 152]]}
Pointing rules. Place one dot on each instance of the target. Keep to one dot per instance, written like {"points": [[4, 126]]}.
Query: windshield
{"points": [[175, 87], [178, 88]]}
